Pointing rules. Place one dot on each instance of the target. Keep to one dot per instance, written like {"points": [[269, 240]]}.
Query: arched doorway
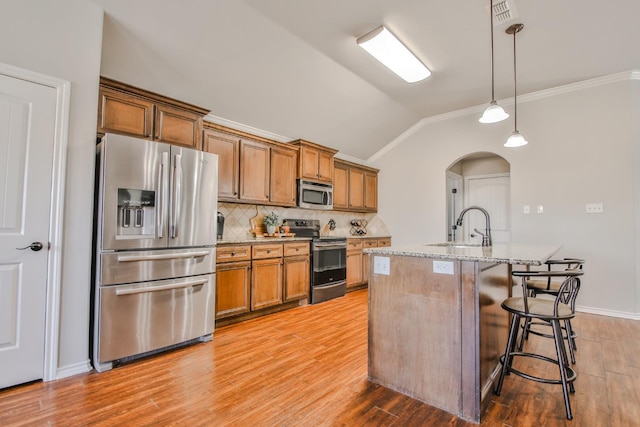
{"points": [[479, 179]]}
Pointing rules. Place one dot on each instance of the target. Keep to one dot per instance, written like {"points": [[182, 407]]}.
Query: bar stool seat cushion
{"points": [[544, 285], [538, 308]]}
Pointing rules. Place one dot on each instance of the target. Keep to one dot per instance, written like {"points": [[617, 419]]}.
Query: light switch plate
{"points": [[540, 209], [381, 265], [443, 267], [526, 209]]}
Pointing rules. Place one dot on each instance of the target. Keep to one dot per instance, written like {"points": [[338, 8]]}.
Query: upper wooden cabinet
{"points": [[355, 187], [252, 169], [340, 186], [227, 147], [255, 169], [284, 163], [315, 161], [131, 111]]}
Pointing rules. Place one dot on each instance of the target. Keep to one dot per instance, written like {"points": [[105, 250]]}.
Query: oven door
{"points": [[329, 263]]}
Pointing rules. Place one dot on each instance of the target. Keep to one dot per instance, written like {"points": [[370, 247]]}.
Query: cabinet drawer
{"points": [[233, 253], [370, 243], [354, 244], [267, 251], [298, 248], [384, 242]]}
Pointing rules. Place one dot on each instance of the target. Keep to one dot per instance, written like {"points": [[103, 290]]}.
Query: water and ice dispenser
{"points": [[136, 213]]}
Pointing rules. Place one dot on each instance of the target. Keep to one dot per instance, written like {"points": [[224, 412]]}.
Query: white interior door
{"points": [[493, 194], [27, 134], [454, 204]]}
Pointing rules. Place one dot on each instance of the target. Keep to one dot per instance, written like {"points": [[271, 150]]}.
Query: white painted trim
{"points": [[351, 159], [245, 128], [533, 96], [609, 313], [75, 369], [56, 214]]}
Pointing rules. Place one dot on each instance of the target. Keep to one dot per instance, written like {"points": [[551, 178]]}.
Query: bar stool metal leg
{"points": [[562, 363], [507, 358]]}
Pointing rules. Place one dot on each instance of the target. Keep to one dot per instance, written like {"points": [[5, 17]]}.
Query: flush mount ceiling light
{"points": [[386, 48], [515, 140], [493, 113]]}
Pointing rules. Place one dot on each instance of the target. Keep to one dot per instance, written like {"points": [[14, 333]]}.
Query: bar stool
{"points": [[549, 287], [545, 310]]}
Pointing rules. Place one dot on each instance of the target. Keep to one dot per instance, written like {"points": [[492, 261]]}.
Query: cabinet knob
{"points": [[233, 254], [268, 251]]}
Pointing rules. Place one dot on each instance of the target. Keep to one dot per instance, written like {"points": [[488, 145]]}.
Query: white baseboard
{"points": [[71, 370], [610, 313]]}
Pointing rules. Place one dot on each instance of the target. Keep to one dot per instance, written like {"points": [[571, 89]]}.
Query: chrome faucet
{"points": [[486, 237]]}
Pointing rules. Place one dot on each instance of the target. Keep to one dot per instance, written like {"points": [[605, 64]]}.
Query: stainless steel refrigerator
{"points": [[155, 237]]}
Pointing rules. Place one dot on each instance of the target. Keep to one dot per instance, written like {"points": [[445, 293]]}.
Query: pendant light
{"points": [[493, 113], [515, 140]]}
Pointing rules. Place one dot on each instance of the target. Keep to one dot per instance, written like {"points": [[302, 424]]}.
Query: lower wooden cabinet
{"points": [[354, 263], [233, 287], [259, 276], [266, 283], [297, 270], [358, 263]]}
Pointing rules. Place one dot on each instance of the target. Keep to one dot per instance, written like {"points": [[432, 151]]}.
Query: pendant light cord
{"points": [[515, 85], [493, 98]]}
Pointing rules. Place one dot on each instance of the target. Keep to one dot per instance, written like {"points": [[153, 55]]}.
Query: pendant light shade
{"points": [[493, 113], [515, 140]]}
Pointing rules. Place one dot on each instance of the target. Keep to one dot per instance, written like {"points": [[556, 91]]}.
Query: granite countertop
{"points": [[286, 239], [262, 240], [511, 253]]}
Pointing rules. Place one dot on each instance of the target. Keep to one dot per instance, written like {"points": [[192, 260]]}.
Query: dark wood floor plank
{"points": [[308, 367]]}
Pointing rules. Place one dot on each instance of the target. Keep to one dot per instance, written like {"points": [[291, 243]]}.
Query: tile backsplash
{"points": [[237, 216]]}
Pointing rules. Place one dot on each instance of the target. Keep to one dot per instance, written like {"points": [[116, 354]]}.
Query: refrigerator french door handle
{"points": [[147, 289], [155, 257], [164, 188], [177, 185]]}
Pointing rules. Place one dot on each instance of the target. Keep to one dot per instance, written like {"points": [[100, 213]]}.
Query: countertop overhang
{"points": [[506, 253]]}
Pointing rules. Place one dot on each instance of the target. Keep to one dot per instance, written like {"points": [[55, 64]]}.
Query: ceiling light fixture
{"points": [[386, 48], [493, 113], [515, 140]]}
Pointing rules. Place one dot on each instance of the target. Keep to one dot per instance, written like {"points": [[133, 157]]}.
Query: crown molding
{"points": [[245, 128], [533, 96]]}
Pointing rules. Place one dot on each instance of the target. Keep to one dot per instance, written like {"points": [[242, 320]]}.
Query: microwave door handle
{"points": [[177, 184], [325, 198], [162, 193]]}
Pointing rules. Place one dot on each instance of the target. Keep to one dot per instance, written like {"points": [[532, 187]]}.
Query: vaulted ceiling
{"points": [[292, 67]]}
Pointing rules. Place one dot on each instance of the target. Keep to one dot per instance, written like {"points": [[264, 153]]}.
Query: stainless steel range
{"points": [[328, 263]]}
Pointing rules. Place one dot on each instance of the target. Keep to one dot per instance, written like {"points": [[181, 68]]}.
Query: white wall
{"points": [[63, 39], [581, 148]]}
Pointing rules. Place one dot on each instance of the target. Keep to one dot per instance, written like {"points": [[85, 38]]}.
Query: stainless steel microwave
{"points": [[315, 195]]}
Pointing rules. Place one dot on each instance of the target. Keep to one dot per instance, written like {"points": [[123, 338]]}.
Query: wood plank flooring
{"points": [[308, 367]]}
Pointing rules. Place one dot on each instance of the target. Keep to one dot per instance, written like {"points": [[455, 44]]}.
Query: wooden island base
{"points": [[437, 337]]}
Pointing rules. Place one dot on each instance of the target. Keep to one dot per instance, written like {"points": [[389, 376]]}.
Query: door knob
{"points": [[35, 246]]}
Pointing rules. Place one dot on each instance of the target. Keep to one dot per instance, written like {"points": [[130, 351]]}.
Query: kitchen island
{"points": [[436, 328]]}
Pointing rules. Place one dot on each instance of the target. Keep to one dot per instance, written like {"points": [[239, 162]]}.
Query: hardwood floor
{"points": [[308, 367]]}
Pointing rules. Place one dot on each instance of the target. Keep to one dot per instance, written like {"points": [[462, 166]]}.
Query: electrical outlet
{"points": [[526, 209], [381, 265], [540, 209], [595, 208], [443, 267]]}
